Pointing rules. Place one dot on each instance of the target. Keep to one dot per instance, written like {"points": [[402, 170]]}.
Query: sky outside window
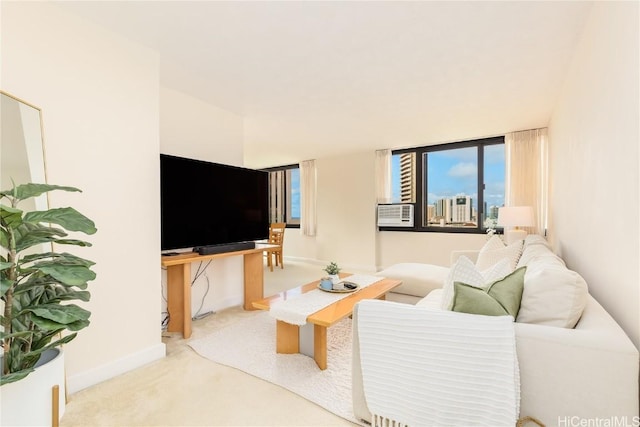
{"points": [[395, 178], [294, 176], [453, 173]]}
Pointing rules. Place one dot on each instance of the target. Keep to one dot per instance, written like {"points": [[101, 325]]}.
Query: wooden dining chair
{"points": [[276, 237]]}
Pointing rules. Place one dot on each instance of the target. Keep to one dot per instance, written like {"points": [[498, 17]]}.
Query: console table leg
{"points": [[287, 338], [179, 298], [253, 279]]}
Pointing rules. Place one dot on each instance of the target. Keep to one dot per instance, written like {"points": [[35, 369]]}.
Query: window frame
{"points": [[421, 185], [287, 187]]}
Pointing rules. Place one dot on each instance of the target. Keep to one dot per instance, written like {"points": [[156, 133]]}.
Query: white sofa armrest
{"points": [[589, 372], [471, 254]]}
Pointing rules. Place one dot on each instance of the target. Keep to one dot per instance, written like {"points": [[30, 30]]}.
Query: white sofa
{"points": [[567, 374]]}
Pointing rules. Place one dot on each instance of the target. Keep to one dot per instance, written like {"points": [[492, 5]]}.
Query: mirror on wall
{"points": [[21, 147]]}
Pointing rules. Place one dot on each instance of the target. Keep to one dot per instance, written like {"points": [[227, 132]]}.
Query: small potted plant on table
{"points": [[333, 270]]}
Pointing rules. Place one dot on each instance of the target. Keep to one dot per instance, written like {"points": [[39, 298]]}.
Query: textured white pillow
{"points": [[494, 242], [465, 271], [494, 251], [553, 295], [497, 271]]}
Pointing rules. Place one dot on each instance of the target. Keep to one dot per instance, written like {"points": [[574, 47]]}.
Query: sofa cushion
{"points": [[465, 271], [535, 239], [417, 279], [495, 250], [433, 300], [500, 298], [553, 295], [536, 251]]}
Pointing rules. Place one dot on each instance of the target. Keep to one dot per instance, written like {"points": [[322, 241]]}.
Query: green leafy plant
{"points": [[332, 268], [36, 287]]}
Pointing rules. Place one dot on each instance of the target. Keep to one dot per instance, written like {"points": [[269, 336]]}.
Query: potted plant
{"points": [[333, 270], [37, 283]]}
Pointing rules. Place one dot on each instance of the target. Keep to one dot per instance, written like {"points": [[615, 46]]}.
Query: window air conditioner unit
{"points": [[395, 215]]}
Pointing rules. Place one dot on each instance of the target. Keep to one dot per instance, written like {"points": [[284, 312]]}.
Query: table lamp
{"points": [[515, 216]]}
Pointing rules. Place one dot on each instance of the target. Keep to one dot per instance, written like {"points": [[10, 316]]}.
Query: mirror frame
{"points": [[42, 141]]}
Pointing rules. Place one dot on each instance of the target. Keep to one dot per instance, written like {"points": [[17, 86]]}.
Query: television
{"points": [[211, 205]]}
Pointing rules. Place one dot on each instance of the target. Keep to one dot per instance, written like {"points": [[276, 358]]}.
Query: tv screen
{"points": [[204, 203]]}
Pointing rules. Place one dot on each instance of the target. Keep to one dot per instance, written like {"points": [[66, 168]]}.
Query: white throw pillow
{"points": [[494, 242], [465, 271], [536, 252], [553, 295], [495, 250], [497, 271]]}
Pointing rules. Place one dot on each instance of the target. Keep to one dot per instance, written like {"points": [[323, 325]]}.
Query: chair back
{"points": [[276, 233]]}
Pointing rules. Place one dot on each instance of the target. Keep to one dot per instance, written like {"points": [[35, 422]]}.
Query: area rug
{"points": [[250, 345]]}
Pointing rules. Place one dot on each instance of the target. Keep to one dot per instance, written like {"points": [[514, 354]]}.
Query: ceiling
{"points": [[318, 79]]}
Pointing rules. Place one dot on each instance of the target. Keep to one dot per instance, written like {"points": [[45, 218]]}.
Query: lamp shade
{"points": [[515, 216]]}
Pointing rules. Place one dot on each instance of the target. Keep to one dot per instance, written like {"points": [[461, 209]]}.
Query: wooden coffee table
{"points": [[297, 339]]}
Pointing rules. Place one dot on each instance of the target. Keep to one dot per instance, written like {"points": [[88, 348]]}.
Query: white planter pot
{"points": [[28, 402]]}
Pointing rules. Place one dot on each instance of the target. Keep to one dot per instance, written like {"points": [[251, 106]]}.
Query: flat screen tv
{"points": [[207, 204]]}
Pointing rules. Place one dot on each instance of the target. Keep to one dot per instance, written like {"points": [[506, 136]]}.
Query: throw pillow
{"points": [[500, 298], [465, 271], [495, 250], [553, 295], [536, 252]]}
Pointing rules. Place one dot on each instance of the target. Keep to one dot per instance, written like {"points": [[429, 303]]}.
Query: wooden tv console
{"points": [[179, 283]]}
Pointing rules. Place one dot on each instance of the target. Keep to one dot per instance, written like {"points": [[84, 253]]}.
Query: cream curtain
{"points": [[383, 176], [527, 174], [308, 211]]}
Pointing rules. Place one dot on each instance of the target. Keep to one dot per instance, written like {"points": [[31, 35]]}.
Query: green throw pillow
{"points": [[500, 298]]}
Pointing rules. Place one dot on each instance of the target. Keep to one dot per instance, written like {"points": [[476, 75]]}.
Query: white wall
{"points": [[432, 248], [594, 138], [346, 211], [194, 129], [99, 99], [346, 215]]}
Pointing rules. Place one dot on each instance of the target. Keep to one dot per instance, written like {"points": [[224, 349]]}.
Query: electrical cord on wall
{"points": [[165, 320], [200, 271]]}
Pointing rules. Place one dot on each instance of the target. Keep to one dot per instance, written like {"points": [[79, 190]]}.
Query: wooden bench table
{"points": [[292, 338]]}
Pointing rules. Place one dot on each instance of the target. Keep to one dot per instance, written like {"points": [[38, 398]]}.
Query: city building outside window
{"points": [[455, 187]]}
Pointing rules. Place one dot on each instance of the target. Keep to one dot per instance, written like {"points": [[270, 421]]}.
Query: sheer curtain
{"points": [[308, 212], [383, 176], [527, 174]]}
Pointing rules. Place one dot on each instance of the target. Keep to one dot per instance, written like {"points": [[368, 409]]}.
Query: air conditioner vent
{"points": [[400, 215]]}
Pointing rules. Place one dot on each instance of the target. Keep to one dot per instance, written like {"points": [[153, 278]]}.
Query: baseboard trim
{"points": [[230, 301], [346, 267], [303, 259], [114, 368]]}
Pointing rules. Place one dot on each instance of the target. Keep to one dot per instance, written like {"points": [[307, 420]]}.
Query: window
{"points": [[284, 195], [455, 187]]}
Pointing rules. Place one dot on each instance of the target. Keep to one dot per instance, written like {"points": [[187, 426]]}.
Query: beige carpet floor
{"points": [[185, 389]]}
